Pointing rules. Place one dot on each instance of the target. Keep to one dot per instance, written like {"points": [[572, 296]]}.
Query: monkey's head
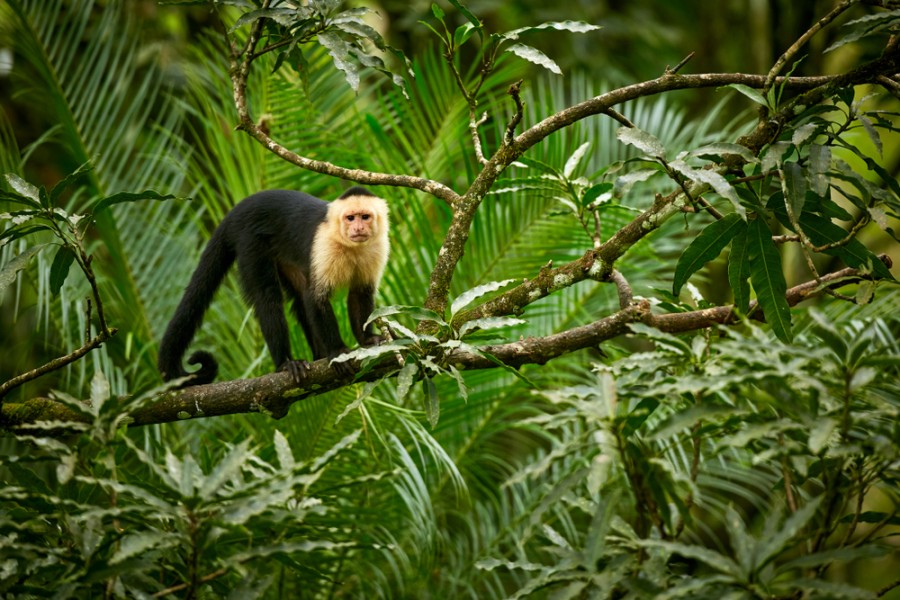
{"points": [[361, 218]]}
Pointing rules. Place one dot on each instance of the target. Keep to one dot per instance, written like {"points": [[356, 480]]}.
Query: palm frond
{"points": [[104, 108]]}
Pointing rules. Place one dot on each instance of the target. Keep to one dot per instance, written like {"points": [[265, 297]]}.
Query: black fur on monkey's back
{"points": [[244, 234]]}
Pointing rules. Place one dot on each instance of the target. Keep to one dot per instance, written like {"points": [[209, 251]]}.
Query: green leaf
{"points": [[533, 55], [705, 247], [138, 544], [643, 141], [24, 188], [437, 11], [406, 378], [574, 160], [822, 231], [468, 296], [819, 165], [342, 56], [59, 270], [489, 323], [15, 233], [790, 529], [463, 33], [226, 469], [570, 26], [121, 197], [67, 181], [595, 191], [432, 402], [739, 272], [713, 559], [19, 199], [768, 279], [750, 93], [713, 179], [720, 150], [11, 269], [283, 451], [467, 14], [794, 186]]}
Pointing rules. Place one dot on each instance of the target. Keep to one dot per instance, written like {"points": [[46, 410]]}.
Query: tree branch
{"points": [[273, 394]]}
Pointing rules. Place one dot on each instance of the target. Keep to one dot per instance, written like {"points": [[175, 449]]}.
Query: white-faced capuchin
{"points": [[287, 244]]}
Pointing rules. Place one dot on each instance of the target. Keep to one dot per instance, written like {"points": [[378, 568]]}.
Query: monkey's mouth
{"points": [[359, 238]]}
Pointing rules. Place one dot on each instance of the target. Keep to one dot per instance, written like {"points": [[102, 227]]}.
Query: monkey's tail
{"points": [[214, 263]]}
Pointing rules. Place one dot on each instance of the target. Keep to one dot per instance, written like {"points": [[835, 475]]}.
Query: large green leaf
{"points": [[706, 246], [768, 278], [739, 271]]}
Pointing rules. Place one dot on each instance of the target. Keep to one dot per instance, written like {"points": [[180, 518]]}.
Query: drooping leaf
{"points": [[432, 402], [739, 272], [705, 247], [642, 140], [533, 55], [819, 164], [11, 269], [406, 378], [342, 56], [121, 197], [767, 277], [59, 270], [713, 179], [794, 185]]}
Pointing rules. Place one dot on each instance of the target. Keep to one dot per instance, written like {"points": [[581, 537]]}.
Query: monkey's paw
{"points": [[298, 369]]}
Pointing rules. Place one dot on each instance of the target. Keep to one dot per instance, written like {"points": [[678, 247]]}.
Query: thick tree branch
{"points": [[274, 393], [458, 232]]}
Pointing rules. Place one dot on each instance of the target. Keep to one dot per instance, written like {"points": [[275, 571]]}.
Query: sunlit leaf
{"points": [[535, 56]]}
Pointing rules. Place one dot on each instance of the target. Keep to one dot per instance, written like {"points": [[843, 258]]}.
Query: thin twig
{"points": [[680, 65], [476, 139], [626, 295], [56, 363], [801, 41], [513, 91]]}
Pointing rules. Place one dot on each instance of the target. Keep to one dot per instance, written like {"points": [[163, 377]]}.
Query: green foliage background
{"points": [[516, 491]]}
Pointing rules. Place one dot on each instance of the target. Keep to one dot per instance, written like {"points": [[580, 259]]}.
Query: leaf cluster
{"points": [[762, 443], [99, 508], [353, 44]]}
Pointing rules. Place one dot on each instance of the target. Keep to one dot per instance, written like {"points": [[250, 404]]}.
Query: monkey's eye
{"points": [[366, 217], [350, 217]]}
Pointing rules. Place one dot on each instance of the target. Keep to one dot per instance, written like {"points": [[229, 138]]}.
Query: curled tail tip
{"points": [[207, 372]]}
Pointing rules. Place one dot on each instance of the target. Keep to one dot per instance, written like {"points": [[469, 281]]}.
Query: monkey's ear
{"points": [[356, 190]]}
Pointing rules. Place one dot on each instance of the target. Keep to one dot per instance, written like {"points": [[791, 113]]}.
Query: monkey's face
{"points": [[359, 225]]}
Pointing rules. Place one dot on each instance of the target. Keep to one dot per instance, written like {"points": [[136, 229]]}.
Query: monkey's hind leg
{"points": [[262, 289]]}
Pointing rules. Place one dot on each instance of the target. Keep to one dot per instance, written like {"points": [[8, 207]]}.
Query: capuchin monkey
{"points": [[287, 244]]}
